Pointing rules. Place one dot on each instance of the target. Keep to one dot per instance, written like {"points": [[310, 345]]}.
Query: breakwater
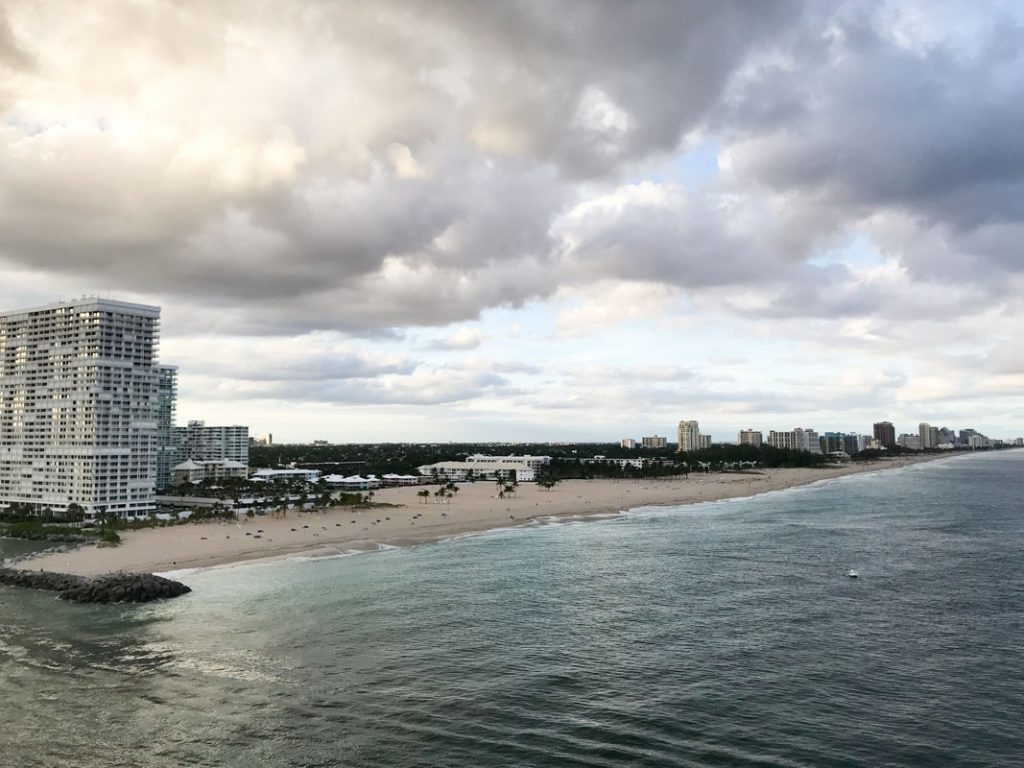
{"points": [[112, 588]]}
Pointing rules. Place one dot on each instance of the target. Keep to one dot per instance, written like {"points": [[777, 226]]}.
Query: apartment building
{"points": [[750, 437], [79, 406], [783, 440], [689, 436], [198, 442]]}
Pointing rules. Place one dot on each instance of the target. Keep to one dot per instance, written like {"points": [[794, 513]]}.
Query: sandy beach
{"points": [[408, 520]]}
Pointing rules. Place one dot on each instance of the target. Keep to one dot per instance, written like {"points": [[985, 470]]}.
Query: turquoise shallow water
{"points": [[724, 634]]}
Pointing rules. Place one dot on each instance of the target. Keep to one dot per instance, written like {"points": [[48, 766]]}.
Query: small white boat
{"points": [[853, 574]]}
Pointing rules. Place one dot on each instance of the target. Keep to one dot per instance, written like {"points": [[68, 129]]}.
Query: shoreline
{"points": [[475, 509]]}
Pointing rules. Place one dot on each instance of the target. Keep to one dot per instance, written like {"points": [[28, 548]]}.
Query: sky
{"points": [[531, 220]]}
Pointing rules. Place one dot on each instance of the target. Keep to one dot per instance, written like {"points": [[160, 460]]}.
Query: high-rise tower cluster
{"points": [[87, 413]]}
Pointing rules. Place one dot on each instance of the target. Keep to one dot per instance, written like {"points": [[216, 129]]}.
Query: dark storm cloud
{"points": [[662, 64], [363, 168], [852, 124], [434, 143]]}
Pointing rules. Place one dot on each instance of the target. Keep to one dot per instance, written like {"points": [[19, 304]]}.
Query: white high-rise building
{"points": [[782, 440], [796, 440], [198, 442], [928, 435], [689, 436], [78, 406]]}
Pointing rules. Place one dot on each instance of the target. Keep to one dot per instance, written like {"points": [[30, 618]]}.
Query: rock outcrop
{"points": [[112, 588]]}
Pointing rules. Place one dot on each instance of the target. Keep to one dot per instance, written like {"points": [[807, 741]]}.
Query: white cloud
{"points": [[311, 186], [463, 339]]}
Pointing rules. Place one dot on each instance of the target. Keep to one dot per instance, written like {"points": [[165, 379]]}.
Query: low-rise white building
{"points": [[393, 479], [352, 482], [481, 467], [271, 475], [623, 463], [198, 471]]}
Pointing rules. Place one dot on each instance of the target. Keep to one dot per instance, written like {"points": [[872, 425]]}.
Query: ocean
{"points": [[720, 634]]}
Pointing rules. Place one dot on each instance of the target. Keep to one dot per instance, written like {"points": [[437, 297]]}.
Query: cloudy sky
{"points": [[560, 220]]}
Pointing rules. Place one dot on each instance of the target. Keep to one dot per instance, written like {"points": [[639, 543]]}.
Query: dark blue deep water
{"points": [[724, 634]]}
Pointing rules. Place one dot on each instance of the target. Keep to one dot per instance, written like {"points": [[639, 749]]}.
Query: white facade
{"points": [[782, 440], [200, 442], [480, 467], [622, 463], [352, 482], [796, 440], [689, 436], [269, 475], [79, 406], [393, 479], [530, 462], [198, 471], [928, 435]]}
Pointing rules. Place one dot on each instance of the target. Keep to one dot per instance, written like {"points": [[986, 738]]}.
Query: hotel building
{"points": [[79, 406]]}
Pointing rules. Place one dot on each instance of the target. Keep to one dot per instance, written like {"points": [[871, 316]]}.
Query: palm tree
{"points": [[424, 494]]}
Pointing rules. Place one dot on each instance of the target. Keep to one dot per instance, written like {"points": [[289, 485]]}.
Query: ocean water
{"points": [[723, 634]]}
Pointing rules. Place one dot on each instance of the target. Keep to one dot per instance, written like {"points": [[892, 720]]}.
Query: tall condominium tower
{"points": [[78, 406], [929, 435], [167, 452], [689, 436], [885, 433]]}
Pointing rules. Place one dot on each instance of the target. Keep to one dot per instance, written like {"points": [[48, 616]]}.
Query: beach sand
{"points": [[409, 521]]}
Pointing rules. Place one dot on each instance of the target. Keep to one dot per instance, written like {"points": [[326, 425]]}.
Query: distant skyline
{"points": [[561, 221]]}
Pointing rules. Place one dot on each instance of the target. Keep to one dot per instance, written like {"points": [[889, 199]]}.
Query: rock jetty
{"points": [[112, 588]]}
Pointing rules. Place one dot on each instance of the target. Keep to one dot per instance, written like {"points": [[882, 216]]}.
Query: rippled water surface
{"points": [[725, 634]]}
